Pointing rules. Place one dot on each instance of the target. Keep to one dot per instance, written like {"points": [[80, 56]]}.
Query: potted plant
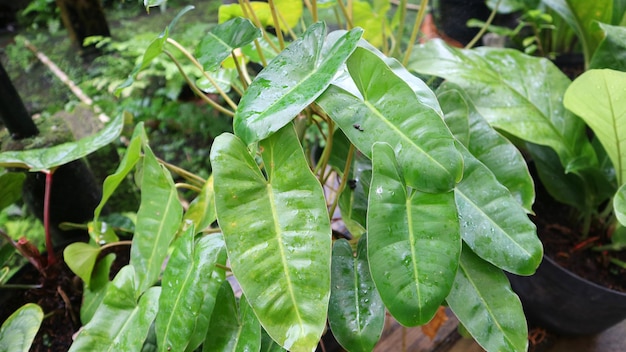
{"points": [[437, 204], [531, 100]]}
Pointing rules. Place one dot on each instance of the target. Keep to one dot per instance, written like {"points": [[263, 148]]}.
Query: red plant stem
{"points": [[585, 243], [46, 217]]}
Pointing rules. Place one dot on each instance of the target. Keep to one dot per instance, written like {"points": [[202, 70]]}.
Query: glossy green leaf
{"points": [[49, 158], [18, 331], [158, 218], [499, 155], [516, 93], [290, 82], [269, 345], [356, 313], [10, 188], [598, 97], [190, 277], [413, 242], [582, 16], [353, 199], [373, 20], [80, 258], [128, 162], [94, 293], [234, 327], [121, 322], [201, 211], [423, 143], [223, 39], [611, 52], [277, 234], [493, 223], [482, 299]]}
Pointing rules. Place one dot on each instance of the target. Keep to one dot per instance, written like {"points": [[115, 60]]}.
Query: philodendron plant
{"points": [[531, 99], [436, 201]]}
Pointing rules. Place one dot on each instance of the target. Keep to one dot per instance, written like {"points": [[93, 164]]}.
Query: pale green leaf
{"points": [[158, 219], [121, 322], [201, 211], [277, 234], [49, 158], [18, 331], [80, 258], [189, 278], [290, 82], [413, 242], [598, 97], [482, 299], [94, 293]]}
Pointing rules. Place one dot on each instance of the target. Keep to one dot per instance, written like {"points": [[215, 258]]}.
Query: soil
{"points": [[559, 230], [60, 298]]}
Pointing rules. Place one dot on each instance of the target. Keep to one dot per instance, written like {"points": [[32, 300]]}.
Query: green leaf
{"points": [[423, 143], [597, 96], [356, 313], [131, 156], [201, 211], [269, 345], [234, 327], [281, 254], [120, 323], [18, 331], [80, 258], [94, 293], [10, 188], [158, 219], [154, 49], [353, 199], [516, 93], [482, 299], [43, 159], [289, 11], [223, 39], [611, 52], [189, 278], [499, 155], [493, 223], [582, 17], [413, 242], [290, 82]]}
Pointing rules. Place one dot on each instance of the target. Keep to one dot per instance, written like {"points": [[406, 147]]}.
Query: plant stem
{"points": [[195, 89], [344, 180], [482, 31], [204, 73], [187, 186], [118, 243], [191, 177], [416, 28], [400, 32], [249, 12], [279, 32], [346, 14], [243, 75], [21, 286], [46, 217]]}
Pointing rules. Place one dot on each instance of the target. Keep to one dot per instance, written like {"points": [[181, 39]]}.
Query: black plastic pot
{"points": [[562, 302]]}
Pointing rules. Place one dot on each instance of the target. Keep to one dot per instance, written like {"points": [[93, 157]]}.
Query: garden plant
{"points": [[329, 129]]}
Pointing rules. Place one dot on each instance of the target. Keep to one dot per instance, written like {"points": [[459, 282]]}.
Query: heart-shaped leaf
{"points": [[281, 255], [80, 258], [413, 242]]}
